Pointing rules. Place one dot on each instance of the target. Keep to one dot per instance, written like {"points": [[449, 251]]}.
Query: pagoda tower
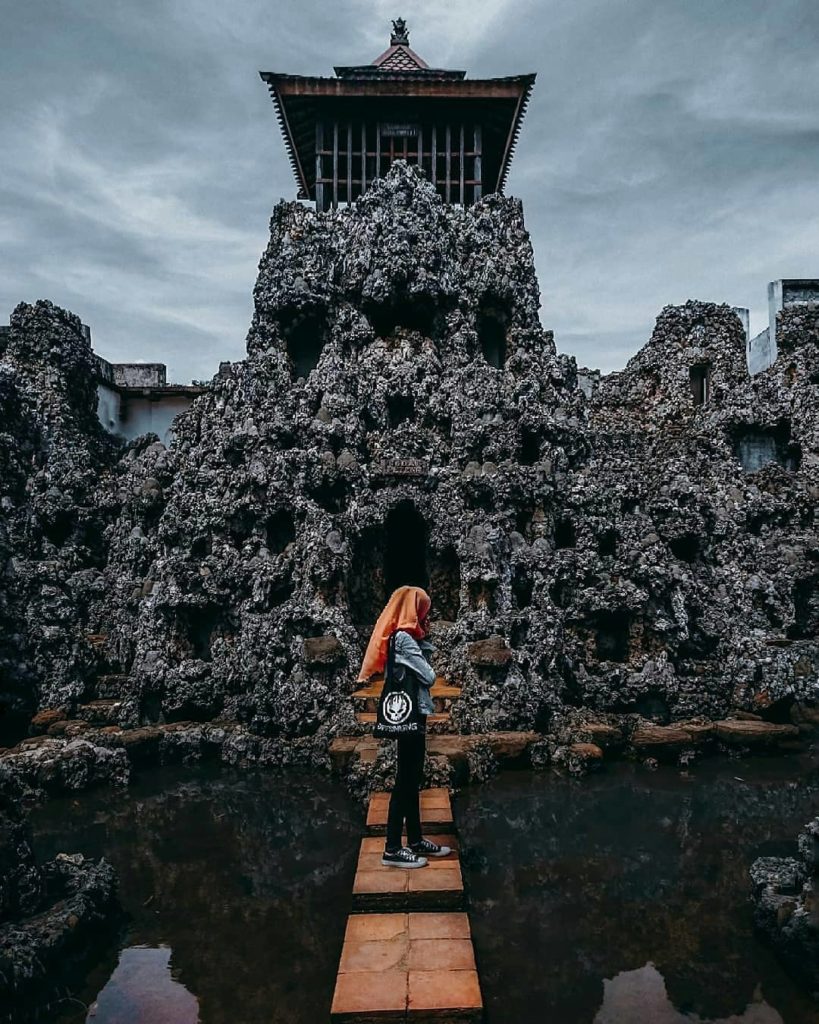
{"points": [[341, 133]]}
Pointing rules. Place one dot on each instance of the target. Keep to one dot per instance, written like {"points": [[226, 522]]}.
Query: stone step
{"points": [[439, 886], [508, 747], [442, 693], [439, 722], [100, 712], [436, 811], [407, 966]]}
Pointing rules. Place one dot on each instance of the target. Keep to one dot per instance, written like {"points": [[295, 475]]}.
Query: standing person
{"points": [[406, 615]]}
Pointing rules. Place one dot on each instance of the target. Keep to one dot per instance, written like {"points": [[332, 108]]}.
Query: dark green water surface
{"points": [[624, 898], [617, 899], [237, 886]]}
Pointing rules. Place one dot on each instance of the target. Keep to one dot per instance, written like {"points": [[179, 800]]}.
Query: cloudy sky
{"points": [[670, 151]]}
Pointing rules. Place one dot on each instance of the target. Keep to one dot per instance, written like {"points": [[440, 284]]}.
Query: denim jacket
{"points": [[411, 653]]}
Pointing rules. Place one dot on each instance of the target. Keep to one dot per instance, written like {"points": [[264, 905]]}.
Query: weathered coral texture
{"points": [[401, 416]]}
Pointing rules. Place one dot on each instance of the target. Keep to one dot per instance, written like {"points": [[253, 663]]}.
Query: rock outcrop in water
{"points": [[641, 555], [786, 911], [50, 914]]}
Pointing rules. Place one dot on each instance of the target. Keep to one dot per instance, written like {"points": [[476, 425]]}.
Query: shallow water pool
{"points": [[624, 898], [236, 886], [621, 898]]}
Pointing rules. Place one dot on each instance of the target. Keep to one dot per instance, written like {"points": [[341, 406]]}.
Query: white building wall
{"points": [[108, 407], [157, 415]]}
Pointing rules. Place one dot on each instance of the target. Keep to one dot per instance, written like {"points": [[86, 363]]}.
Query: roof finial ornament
{"points": [[400, 33]]}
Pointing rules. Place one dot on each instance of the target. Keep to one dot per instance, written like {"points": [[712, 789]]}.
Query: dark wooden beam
{"points": [[497, 88], [476, 145], [349, 162], [319, 173], [461, 168], [335, 165]]}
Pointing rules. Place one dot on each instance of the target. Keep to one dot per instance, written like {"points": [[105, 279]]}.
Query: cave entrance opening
{"points": [[386, 556], [405, 549]]}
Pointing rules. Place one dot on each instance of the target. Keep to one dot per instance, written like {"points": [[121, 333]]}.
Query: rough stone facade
{"points": [[646, 546]]}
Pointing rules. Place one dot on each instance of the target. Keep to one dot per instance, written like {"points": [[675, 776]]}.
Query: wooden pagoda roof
{"points": [[398, 73]]}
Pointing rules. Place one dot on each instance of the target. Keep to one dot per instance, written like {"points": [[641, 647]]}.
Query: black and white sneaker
{"points": [[402, 858], [427, 848]]}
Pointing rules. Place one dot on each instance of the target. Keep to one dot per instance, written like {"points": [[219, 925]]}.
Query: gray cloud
{"points": [[671, 151]]}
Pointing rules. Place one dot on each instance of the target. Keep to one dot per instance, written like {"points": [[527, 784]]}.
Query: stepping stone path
{"points": [[408, 951], [415, 966]]}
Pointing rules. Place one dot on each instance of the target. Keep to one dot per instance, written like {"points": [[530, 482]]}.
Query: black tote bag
{"points": [[398, 712]]}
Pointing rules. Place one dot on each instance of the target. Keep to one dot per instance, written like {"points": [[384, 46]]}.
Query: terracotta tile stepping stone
{"points": [[444, 995], [437, 926], [379, 927], [441, 955], [437, 886], [418, 966], [427, 881], [376, 995], [383, 955], [436, 811]]}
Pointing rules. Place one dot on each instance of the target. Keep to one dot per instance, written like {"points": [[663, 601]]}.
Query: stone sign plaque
{"points": [[408, 467]]}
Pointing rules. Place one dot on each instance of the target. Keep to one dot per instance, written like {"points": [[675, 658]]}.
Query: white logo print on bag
{"points": [[397, 708]]}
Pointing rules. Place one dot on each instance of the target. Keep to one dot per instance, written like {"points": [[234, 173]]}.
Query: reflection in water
{"points": [[142, 989], [246, 877], [641, 996], [574, 882], [237, 887]]}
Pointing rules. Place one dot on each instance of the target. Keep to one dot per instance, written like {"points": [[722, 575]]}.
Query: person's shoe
{"points": [[427, 848], [403, 857]]}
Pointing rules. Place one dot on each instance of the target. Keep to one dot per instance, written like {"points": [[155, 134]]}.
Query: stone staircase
{"points": [[443, 694], [443, 739]]}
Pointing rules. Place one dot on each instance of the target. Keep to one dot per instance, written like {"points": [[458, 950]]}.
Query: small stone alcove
{"points": [[522, 587], [400, 409], [59, 527], [806, 610], [492, 324], [196, 628], [388, 556], [305, 335], [413, 313], [607, 543], [529, 448], [405, 549], [755, 446], [699, 379], [445, 583], [564, 535], [612, 634], [279, 531]]}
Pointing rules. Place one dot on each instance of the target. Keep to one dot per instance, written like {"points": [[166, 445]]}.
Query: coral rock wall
{"points": [[402, 417]]}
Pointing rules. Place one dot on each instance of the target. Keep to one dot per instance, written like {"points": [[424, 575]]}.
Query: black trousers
{"points": [[404, 802]]}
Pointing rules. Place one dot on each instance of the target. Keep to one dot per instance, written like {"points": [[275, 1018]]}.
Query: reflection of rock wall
{"points": [[246, 877], [786, 897], [50, 914], [600, 876], [402, 417]]}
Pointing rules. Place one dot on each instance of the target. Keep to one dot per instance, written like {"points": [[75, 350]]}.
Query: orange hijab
{"points": [[405, 609]]}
